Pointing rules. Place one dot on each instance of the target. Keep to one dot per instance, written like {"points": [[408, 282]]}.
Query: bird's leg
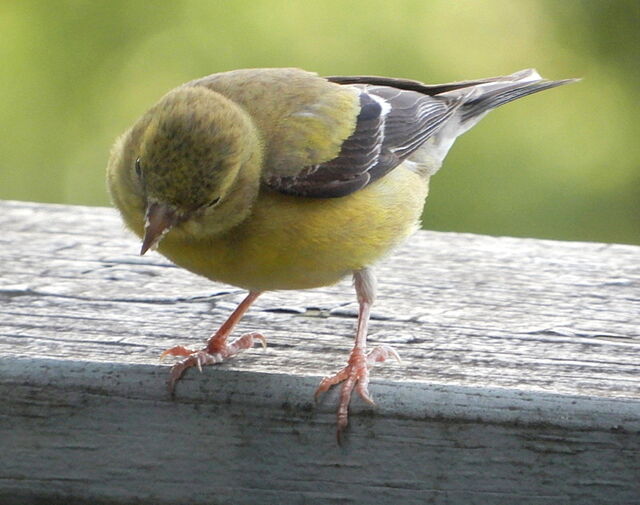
{"points": [[356, 374], [217, 349]]}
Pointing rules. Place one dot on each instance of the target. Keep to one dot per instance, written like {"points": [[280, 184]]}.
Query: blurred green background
{"points": [[562, 164]]}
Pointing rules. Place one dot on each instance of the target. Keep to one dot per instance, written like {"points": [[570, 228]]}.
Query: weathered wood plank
{"points": [[519, 384]]}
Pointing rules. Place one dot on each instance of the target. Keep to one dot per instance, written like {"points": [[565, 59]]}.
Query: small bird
{"points": [[278, 179]]}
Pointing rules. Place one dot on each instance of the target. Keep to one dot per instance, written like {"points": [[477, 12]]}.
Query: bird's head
{"points": [[189, 163]]}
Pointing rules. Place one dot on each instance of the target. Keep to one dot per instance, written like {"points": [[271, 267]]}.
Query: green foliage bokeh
{"points": [[563, 164]]}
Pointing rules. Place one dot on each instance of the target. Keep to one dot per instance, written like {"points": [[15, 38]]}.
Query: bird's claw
{"points": [[211, 355], [382, 353], [354, 376], [178, 350]]}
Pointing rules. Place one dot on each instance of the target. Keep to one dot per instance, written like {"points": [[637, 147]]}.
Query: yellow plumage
{"points": [[290, 242]]}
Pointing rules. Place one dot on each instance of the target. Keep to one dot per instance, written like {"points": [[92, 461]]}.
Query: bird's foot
{"points": [[354, 376], [216, 351]]}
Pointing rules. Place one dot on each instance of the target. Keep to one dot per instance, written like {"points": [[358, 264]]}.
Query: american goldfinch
{"points": [[277, 178]]}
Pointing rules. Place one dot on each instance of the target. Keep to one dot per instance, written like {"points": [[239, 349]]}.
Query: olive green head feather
{"points": [[192, 148]]}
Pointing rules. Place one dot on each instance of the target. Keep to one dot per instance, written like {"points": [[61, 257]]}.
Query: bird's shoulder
{"points": [[302, 118]]}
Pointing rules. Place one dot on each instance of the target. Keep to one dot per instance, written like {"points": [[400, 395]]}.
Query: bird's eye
{"points": [[138, 168], [213, 202]]}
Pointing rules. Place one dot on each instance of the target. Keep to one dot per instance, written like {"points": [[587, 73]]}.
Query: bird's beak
{"points": [[159, 219]]}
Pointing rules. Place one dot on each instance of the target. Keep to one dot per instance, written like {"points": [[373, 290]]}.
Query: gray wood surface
{"points": [[519, 381]]}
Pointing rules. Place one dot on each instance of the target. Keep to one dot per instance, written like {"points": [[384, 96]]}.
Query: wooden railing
{"points": [[519, 384]]}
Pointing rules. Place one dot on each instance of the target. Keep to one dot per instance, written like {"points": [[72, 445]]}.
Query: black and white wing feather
{"points": [[392, 124], [397, 117]]}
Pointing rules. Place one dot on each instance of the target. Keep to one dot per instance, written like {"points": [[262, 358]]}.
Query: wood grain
{"points": [[519, 381]]}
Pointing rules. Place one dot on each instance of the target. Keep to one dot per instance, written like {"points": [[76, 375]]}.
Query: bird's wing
{"points": [[396, 117], [392, 123]]}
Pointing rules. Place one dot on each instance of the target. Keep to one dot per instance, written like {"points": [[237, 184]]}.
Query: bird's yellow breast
{"points": [[291, 242]]}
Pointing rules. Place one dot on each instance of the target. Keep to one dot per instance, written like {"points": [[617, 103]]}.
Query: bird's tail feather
{"points": [[496, 98], [481, 98]]}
